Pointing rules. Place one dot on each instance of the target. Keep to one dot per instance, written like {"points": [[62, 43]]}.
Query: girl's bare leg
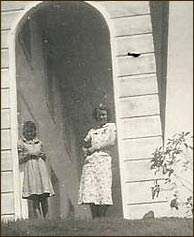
{"points": [[94, 210], [103, 210], [44, 205], [36, 207]]}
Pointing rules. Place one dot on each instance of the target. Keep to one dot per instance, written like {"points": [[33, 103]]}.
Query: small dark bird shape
{"points": [[135, 55]]}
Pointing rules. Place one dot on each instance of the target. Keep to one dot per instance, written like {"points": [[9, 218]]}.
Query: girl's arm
{"points": [[42, 153], [87, 144], [22, 154]]}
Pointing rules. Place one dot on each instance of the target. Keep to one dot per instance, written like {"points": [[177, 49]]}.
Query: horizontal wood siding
{"points": [[138, 211], [6, 161], [134, 44], [139, 192], [4, 58], [7, 203], [5, 78], [139, 105], [4, 39], [141, 148], [6, 182], [7, 19], [125, 8], [141, 127], [131, 66], [139, 170], [7, 217], [5, 98], [137, 85], [5, 139], [132, 25], [13, 5], [5, 118], [137, 96]]}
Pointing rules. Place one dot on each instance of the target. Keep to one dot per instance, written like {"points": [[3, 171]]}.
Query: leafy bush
{"points": [[174, 161]]}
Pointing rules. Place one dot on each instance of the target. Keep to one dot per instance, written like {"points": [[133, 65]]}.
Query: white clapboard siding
{"points": [[139, 170], [137, 85], [125, 8], [139, 105], [5, 98], [6, 181], [133, 33], [7, 19], [141, 148], [141, 127], [6, 160], [7, 217], [4, 39], [7, 203], [5, 118], [131, 66], [4, 58], [4, 78], [132, 25], [5, 139], [139, 192], [134, 44], [138, 211], [13, 5]]}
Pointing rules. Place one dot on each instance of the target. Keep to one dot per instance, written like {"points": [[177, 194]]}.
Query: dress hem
{"points": [[38, 194]]}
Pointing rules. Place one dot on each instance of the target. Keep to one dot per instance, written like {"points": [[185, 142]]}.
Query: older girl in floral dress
{"points": [[96, 179]]}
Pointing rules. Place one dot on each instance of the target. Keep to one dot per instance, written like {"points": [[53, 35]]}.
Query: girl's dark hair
{"points": [[29, 124], [100, 108]]}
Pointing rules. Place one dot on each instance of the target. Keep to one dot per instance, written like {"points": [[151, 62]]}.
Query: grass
{"points": [[102, 227]]}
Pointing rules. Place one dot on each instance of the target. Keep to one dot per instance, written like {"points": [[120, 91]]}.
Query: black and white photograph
{"points": [[96, 118]]}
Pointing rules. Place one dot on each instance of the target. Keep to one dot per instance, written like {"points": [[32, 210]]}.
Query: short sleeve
{"points": [[113, 127], [20, 146], [88, 137], [112, 133], [41, 147]]}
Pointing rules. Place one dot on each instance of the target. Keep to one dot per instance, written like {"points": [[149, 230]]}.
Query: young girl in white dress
{"points": [[37, 184], [96, 179]]}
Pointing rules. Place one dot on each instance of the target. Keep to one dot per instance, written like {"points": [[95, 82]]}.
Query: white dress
{"points": [[96, 178], [36, 177]]}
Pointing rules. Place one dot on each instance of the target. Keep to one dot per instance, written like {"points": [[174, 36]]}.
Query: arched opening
{"points": [[63, 70]]}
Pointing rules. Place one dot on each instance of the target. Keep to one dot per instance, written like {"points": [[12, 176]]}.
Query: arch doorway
{"points": [[63, 70]]}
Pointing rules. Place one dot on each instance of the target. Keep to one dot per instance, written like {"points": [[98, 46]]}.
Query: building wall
{"points": [[179, 101], [136, 102]]}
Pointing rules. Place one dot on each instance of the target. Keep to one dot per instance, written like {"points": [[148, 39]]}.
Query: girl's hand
{"points": [[42, 156], [24, 158], [91, 150]]}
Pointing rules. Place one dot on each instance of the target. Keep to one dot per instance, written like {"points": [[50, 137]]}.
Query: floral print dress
{"points": [[36, 177], [96, 178]]}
